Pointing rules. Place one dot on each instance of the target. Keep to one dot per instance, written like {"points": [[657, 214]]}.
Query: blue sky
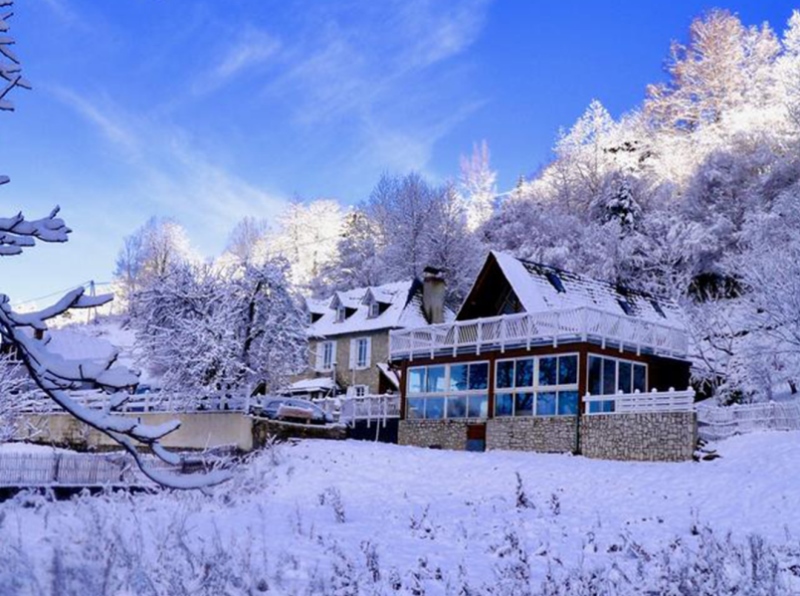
{"points": [[208, 111]]}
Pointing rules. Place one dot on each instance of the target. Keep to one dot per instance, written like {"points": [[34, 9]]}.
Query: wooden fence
{"points": [[74, 470], [720, 422]]}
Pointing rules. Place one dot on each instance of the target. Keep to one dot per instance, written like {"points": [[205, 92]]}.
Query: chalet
{"points": [[545, 360], [349, 335]]}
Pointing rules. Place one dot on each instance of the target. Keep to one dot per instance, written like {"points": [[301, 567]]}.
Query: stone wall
{"points": [[656, 436], [552, 434], [344, 376], [444, 434]]}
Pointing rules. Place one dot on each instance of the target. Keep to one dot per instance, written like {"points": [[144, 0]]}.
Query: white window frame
{"points": [[535, 388], [355, 353], [341, 314], [616, 372], [326, 355], [448, 392], [359, 390], [374, 310]]}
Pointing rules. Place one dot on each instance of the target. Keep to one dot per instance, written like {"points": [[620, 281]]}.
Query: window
{"points": [[443, 391], [374, 309], [556, 282], [360, 353], [341, 314], [626, 306], [326, 355], [608, 376], [657, 307], [358, 390], [537, 386]]}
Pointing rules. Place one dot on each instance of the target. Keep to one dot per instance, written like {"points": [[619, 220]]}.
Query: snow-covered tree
{"points": [[401, 208], [149, 255], [582, 159], [707, 75], [478, 186], [55, 376], [207, 329], [306, 236], [15, 389], [358, 261], [450, 245], [245, 242]]}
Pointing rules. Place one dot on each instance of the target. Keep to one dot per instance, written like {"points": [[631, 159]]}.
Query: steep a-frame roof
{"points": [[508, 282]]}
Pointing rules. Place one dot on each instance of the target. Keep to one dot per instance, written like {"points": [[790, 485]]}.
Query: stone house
{"points": [[349, 335], [545, 360]]}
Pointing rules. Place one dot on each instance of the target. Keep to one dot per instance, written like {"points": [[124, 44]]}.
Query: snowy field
{"points": [[360, 518]]}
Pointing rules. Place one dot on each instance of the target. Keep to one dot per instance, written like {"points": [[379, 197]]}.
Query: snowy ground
{"points": [[363, 518]]}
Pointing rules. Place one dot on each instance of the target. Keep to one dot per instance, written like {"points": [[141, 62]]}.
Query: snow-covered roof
{"points": [[400, 307], [318, 384], [390, 375], [541, 288]]}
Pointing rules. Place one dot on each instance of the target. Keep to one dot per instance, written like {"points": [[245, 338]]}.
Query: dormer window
{"points": [[556, 282], [341, 314], [374, 309]]}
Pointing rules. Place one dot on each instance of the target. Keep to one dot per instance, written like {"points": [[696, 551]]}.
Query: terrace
{"points": [[525, 330]]}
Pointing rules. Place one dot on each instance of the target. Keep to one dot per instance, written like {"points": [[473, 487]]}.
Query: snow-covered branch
{"points": [[17, 233], [55, 376]]}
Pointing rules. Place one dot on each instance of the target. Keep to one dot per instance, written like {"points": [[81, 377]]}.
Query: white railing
{"points": [[639, 403], [527, 329], [369, 408], [145, 402], [720, 422]]}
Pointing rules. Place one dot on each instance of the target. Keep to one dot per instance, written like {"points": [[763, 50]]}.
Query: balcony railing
{"points": [[639, 403], [369, 408], [541, 328]]}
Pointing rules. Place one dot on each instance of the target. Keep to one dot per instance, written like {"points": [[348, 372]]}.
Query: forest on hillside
{"points": [[694, 194]]}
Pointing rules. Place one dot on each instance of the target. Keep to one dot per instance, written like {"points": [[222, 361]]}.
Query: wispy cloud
{"points": [[377, 72], [109, 124], [251, 48], [62, 10], [172, 175]]}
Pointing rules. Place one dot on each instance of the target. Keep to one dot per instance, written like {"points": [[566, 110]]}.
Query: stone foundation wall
{"points": [[657, 436], [552, 434], [445, 434]]}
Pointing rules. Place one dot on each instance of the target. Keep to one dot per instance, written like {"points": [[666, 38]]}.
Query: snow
{"points": [[402, 310], [537, 294], [323, 383], [306, 515], [29, 448], [74, 343], [390, 375]]}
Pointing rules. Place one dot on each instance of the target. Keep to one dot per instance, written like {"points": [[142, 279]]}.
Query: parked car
{"points": [[295, 410]]}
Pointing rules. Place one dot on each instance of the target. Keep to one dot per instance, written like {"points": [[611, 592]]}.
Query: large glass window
{"points": [[537, 386], [448, 391], [609, 376]]}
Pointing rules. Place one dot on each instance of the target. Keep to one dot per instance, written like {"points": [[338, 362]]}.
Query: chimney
{"points": [[433, 292]]}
